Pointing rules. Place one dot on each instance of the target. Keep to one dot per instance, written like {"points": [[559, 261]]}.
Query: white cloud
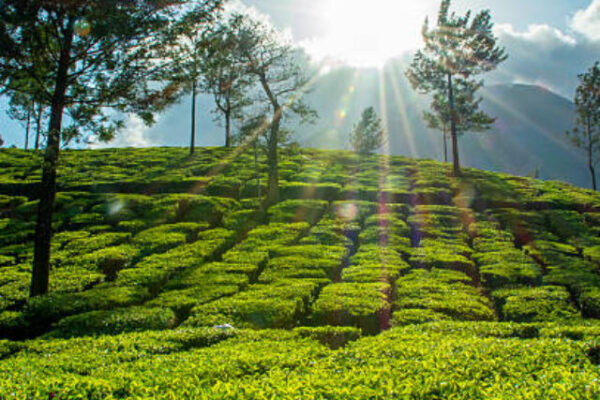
{"points": [[544, 55], [545, 36], [134, 134], [587, 21]]}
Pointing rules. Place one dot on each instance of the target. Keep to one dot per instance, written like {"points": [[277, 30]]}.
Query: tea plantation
{"points": [[372, 278]]}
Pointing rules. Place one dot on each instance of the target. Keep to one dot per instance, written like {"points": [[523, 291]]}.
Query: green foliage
{"points": [[297, 211], [278, 305], [103, 297], [344, 267], [367, 135], [442, 292], [115, 321], [586, 134], [364, 305], [590, 303], [331, 336], [456, 50], [545, 303]]}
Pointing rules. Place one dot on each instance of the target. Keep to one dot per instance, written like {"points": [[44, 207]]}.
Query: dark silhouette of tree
{"points": [[367, 134], [469, 118], [277, 69], [586, 134], [457, 47], [188, 55], [224, 77], [254, 132], [87, 57]]}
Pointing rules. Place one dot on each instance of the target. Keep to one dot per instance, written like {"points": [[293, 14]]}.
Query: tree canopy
{"points": [[278, 74], [456, 49], [367, 134], [92, 59], [586, 134]]}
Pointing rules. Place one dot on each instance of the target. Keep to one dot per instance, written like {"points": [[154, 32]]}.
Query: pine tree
{"points": [[86, 57], [457, 47], [586, 134], [469, 118], [188, 54], [224, 77], [275, 67], [367, 135]]}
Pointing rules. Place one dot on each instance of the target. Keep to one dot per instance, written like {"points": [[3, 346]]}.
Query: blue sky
{"points": [[549, 42]]}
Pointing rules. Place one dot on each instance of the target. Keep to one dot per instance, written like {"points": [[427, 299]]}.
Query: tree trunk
{"points": [[43, 228], [193, 139], [258, 191], [591, 154], [272, 146], [445, 136], [227, 122], [38, 127], [453, 133], [27, 128], [273, 182]]}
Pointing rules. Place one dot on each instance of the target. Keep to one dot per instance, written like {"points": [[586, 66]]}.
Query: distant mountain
{"points": [[529, 133], [528, 136]]}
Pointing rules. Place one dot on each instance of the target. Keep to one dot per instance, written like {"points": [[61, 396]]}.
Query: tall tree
{"points": [[97, 55], [456, 47], [586, 134], [253, 132], [21, 108], [30, 113], [277, 69], [367, 134], [184, 72], [224, 77], [469, 118]]}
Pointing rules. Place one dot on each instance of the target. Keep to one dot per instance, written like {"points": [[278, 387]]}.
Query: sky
{"points": [[549, 42]]}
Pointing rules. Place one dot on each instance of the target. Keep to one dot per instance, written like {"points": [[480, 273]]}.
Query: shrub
{"points": [[54, 306], [589, 302], [363, 305], [183, 300], [92, 243], [441, 257], [132, 319], [495, 276], [329, 266], [257, 258], [353, 210], [321, 251], [224, 186], [546, 303], [110, 260], [304, 190], [214, 274], [309, 211], [333, 337], [277, 305], [404, 317], [444, 293], [241, 220]]}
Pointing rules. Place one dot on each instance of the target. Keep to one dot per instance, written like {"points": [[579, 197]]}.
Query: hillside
{"points": [[380, 277], [529, 133]]}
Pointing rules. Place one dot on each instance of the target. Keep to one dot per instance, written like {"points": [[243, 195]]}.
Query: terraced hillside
{"points": [[373, 278]]}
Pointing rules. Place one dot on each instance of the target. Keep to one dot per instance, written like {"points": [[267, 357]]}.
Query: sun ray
{"points": [[406, 126]]}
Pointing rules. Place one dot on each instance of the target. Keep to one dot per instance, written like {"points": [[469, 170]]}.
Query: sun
{"points": [[368, 33]]}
